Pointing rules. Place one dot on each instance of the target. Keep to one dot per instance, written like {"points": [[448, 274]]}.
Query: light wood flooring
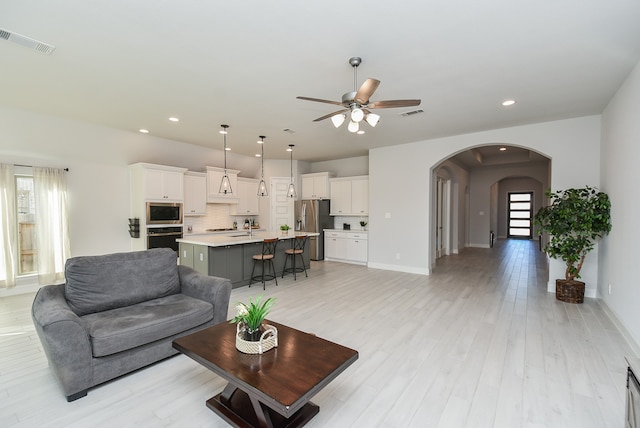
{"points": [[479, 343]]}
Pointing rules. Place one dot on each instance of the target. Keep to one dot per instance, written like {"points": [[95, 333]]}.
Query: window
{"points": [[26, 212], [34, 230], [520, 214]]}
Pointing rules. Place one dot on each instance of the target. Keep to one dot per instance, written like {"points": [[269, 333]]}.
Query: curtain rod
{"points": [[31, 166]]}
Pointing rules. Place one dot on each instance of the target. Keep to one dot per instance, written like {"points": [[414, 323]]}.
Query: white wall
{"points": [[348, 167], [620, 178], [98, 177], [401, 177]]}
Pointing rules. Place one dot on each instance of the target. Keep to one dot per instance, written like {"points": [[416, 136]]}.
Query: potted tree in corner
{"points": [[574, 220]]}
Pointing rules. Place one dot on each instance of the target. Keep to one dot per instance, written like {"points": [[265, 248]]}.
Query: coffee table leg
{"points": [[264, 419], [244, 410], [227, 393]]}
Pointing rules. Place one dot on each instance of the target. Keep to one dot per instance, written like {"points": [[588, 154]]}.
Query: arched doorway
{"points": [[485, 173]]}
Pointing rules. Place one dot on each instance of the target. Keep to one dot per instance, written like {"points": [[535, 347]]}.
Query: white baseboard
{"points": [[398, 268], [479, 245], [625, 333]]}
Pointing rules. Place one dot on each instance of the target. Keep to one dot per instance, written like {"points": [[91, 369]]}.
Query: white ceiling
{"points": [[132, 64]]}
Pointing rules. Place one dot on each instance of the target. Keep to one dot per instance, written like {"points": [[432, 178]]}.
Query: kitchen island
{"points": [[231, 255]]}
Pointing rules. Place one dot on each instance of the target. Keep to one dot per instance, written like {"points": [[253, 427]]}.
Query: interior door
{"points": [[282, 209]]}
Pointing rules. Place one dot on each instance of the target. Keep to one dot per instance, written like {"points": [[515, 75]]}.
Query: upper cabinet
{"points": [[214, 178], [316, 185], [350, 196], [195, 193], [157, 182], [248, 203]]}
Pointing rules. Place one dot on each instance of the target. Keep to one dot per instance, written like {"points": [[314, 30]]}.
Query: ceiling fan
{"points": [[357, 104]]}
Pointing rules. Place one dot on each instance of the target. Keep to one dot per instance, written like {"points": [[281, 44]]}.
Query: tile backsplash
{"points": [[218, 217], [354, 222]]}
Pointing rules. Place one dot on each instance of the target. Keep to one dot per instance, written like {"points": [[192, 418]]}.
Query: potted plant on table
{"points": [[285, 229], [574, 220], [252, 336]]}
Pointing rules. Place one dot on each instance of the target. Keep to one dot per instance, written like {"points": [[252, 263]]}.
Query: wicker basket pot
{"points": [[268, 340], [570, 290]]}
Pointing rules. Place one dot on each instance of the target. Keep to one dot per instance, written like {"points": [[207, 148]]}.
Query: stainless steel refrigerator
{"points": [[313, 216]]}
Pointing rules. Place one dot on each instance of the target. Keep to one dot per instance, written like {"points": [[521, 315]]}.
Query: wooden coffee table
{"points": [[272, 389]]}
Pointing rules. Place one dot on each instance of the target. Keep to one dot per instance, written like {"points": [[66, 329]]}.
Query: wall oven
{"points": [[164, 213], [164, 237]]}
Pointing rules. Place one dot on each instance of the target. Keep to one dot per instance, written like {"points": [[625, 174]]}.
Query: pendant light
{"points": [[225, 185], [291, 193], [262, 186]]}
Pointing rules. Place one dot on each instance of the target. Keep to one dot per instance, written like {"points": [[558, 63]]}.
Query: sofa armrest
{"points": [[64, 339], [212, 289]]}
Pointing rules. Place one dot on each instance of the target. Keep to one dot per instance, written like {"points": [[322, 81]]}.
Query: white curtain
{"points": [[8, 239], [52, 223]]}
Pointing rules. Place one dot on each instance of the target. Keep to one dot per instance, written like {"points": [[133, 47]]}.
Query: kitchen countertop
{"points": [[348, 231], [218, 240]]}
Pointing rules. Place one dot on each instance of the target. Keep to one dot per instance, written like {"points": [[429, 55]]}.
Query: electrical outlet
{"points": [[609, 288]]}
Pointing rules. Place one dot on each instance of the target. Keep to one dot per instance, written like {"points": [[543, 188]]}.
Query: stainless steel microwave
{"points": [[164, 213]]}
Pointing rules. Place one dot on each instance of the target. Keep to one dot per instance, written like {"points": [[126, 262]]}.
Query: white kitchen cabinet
{"points": [[335, 246], [348, 247], [157, 182], [350, 196], [357, 250], [214, 178], [340, 197], [248, 203], [360, 196], [315, 185], [195, 193]]}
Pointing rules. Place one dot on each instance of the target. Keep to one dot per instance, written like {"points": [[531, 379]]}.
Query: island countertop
{"points": [[240, 238]]}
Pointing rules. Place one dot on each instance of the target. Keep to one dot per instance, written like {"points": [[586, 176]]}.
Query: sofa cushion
{"points": [[100, 283], [128, 327]]}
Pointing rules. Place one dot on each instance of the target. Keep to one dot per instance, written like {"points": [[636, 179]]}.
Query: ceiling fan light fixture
{"points": [[338, 119], [372, 119], [353, 126], [357, 114]]}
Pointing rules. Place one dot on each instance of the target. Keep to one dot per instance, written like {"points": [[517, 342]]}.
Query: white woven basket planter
{"points": [[268, 340]]}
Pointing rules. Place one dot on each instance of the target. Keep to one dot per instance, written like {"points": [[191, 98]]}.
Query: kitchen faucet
{"points": [[250, 229]]}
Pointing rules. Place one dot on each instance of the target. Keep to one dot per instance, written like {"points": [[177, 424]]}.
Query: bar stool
{"points": [[297, 249], [266, 256]]}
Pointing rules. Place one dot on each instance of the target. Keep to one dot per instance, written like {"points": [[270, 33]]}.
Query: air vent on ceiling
{"points": [[412, 112], [27, 42], [289, 131]]}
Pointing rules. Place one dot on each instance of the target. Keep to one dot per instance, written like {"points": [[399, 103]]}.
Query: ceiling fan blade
{"points": [[318, 100], [366, 90], [393, 103], [327, 116]]}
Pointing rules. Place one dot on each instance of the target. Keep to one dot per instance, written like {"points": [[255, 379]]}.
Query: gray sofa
{"points": [[119, 312]]}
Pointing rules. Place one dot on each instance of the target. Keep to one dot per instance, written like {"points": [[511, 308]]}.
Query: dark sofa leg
{"points": [[74, 397]]}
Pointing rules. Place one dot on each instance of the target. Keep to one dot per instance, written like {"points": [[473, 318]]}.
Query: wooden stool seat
{"points": [[297, 249], [265, 257]]}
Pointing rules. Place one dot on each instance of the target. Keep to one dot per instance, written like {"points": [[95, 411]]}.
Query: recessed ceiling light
{"points": [[360, 132], [503, 149], [258, 155], [174, 119], [228, 149], [144, 131], [508, 103]]}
